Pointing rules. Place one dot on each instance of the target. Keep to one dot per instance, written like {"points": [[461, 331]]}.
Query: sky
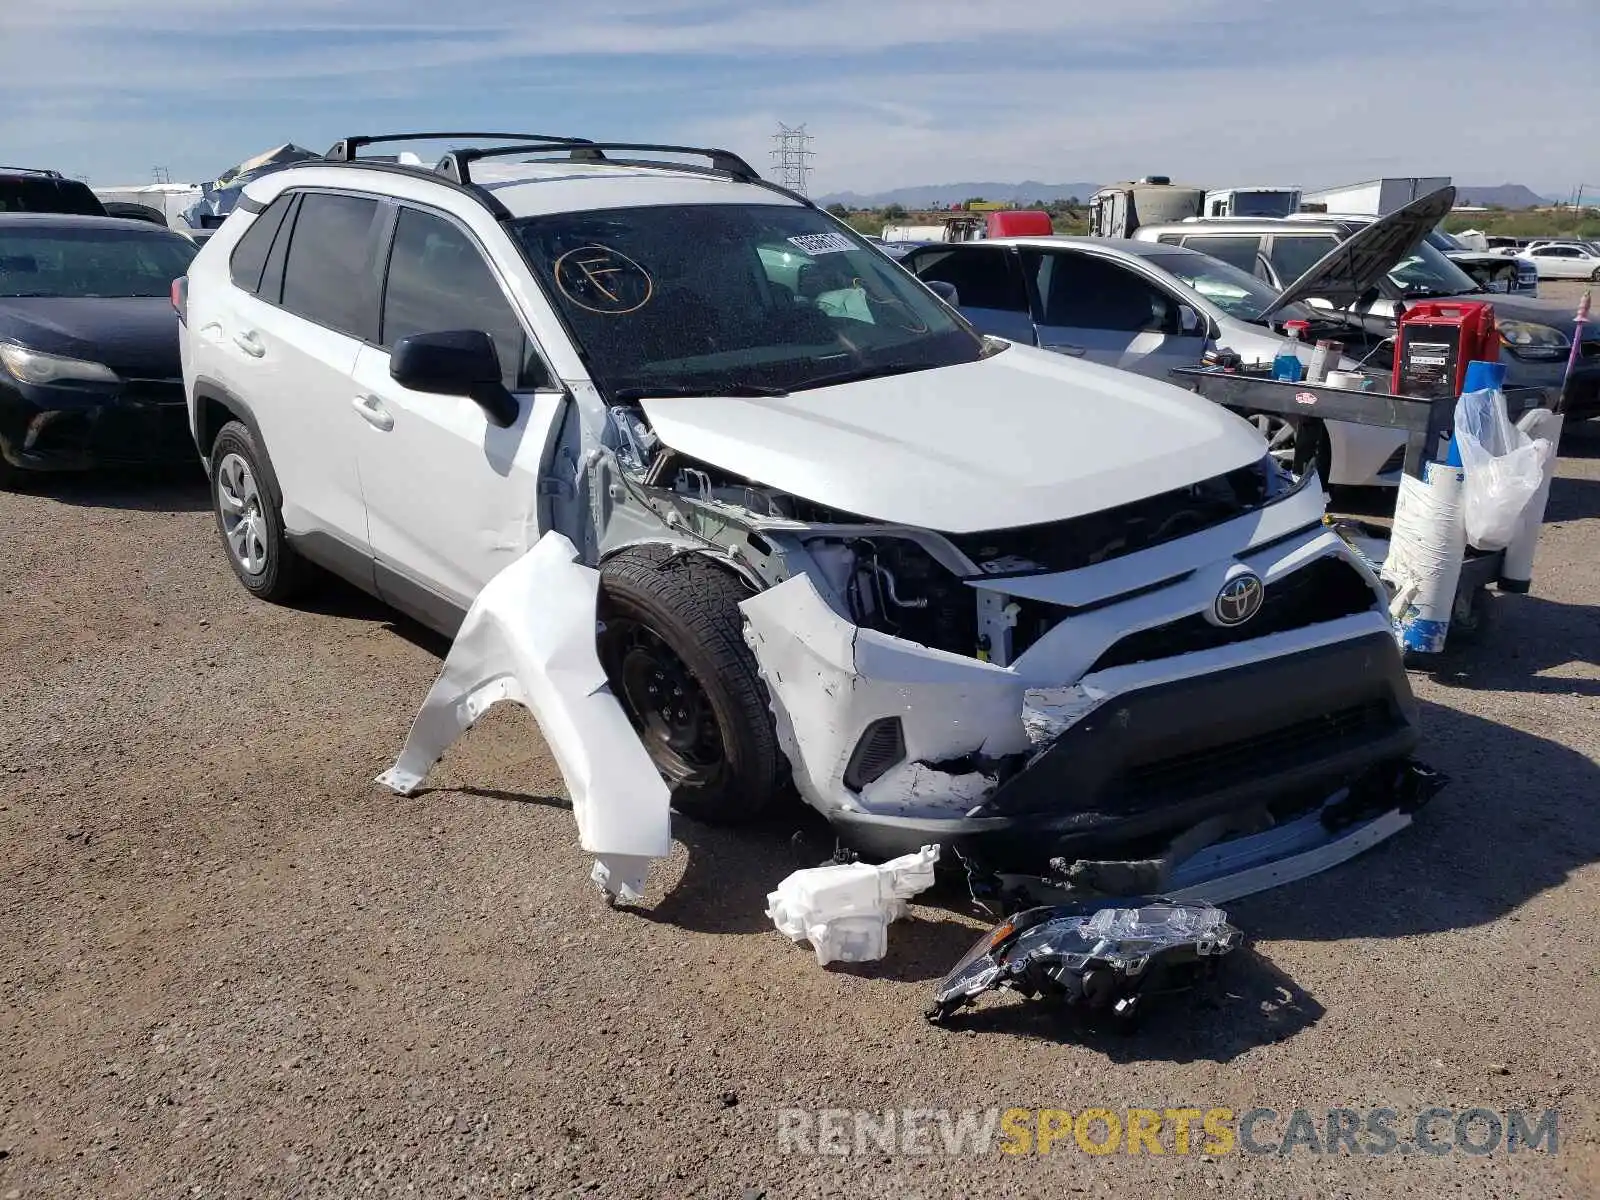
{"points": [[895, 92]]}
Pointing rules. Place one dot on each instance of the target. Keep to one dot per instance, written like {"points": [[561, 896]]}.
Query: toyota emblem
{"points": [[1239, 600]]}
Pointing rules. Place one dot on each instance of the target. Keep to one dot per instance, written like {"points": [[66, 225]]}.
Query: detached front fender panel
{"points": [[529, 638]]}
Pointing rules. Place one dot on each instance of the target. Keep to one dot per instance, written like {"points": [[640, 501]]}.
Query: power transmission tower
{"points": [[791, 149], [160, 175]]}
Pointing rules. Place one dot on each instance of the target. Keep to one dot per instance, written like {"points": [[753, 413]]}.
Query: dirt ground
{"points": [[232, 966]]}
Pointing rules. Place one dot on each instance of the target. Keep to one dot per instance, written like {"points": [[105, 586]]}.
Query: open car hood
{"points": [[1362, 262]]}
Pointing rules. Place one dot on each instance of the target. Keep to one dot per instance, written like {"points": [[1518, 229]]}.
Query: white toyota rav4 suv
{"points": [[947, 588]]}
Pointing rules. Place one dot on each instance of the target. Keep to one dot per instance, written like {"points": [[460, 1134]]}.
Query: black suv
{"points": [[26, 190]]}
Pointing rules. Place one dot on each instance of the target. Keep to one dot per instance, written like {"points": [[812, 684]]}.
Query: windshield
{"points": [[717, 299], [76, 261], [1235, 292], [1264, 204], [1427, 272]]}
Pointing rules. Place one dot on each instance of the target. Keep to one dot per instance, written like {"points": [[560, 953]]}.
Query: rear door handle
{"points": [[1064, 348], [373, 412], [249, 343]]}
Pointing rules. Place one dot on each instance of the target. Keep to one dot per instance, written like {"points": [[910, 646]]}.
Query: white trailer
{"points": [[169, 200], [1376, 197], [913, 233]]}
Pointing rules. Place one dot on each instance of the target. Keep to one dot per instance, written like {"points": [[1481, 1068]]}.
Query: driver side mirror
{"points": [[1189, 322], [460, 362], [945, 291]]}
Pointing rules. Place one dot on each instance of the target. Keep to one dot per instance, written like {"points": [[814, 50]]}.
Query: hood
{"points": [[136, 336], [1363, 261], [1019, 438]]}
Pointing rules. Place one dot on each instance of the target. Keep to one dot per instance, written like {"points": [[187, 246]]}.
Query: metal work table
{"points": [[1428, 424]]}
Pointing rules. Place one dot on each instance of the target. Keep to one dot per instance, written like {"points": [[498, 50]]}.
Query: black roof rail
{"points": [[458, 163], [482, 196], [47, 172], [344, 150]]}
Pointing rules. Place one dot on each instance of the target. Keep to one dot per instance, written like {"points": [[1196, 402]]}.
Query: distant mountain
{"points": [[1506, 195], [938, 195]]}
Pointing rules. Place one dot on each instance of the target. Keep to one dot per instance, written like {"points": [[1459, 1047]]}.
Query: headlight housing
{"points": [[1527, 339], [35, 366]]}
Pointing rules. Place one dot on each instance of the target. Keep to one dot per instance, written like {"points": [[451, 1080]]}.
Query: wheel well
{"points": [[211, 413], [669, 551], [210, 416]]}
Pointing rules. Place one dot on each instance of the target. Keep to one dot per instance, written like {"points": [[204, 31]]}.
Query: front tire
{"points": [[672, 644], [249, 521]]}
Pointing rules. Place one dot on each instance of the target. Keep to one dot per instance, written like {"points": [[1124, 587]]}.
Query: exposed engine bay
{"points": [[925, 587]]}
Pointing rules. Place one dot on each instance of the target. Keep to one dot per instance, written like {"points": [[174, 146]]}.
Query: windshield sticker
{"points": [[602, 280], [822, 243]]}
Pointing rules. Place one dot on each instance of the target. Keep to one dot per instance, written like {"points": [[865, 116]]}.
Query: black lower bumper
{"points": [[136, 427], [1278, 734], [1581, 399]]}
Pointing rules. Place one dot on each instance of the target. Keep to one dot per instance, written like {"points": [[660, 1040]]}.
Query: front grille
{"points": [[1328, 589], [1218, 766], [1114, 532]]}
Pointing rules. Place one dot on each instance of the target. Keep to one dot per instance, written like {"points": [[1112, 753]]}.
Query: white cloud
{"points": [[897, 91]]}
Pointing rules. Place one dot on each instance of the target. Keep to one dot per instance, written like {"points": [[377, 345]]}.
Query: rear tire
{"points": [[672, 644], [249, 521]]}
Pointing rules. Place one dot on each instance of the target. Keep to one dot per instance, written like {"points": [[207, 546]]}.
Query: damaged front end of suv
{"points": [[1093, 704]]}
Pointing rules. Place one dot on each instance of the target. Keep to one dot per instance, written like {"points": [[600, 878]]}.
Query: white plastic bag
{"points": [[1504, 468]]}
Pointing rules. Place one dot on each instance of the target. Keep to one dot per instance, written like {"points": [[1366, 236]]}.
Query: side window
{"points": [[438, 281], [250, 255], [982, 277], [1240, 252], [1292, 257], [329, 274], [1083, 291]]}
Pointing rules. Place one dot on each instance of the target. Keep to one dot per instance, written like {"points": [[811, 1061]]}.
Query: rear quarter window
{"points": [[249, 257], [330, 275]]}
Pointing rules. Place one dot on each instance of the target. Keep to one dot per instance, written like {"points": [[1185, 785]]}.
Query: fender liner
{"points": [[209, 390]]}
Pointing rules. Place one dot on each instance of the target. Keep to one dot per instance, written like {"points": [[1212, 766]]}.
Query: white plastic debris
{"points": [[530, 638], [1424, 560], [845, 911]]}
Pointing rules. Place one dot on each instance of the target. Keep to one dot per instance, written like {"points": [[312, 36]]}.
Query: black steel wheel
{"points": [[672, 645], [667, 704]]}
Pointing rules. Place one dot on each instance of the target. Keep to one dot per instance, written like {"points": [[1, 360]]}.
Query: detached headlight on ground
{"points": [[34, 366], [1528, 340]]}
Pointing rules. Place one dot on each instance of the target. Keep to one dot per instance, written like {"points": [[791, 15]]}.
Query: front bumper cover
{"points": [[1137, 756], [138, 425]]}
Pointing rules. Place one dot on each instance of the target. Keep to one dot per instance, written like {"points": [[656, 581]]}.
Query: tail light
{"points": [[180, 298]]}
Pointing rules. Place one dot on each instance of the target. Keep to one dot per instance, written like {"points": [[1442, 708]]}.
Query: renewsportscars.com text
{"points": [[1163, 1131]]}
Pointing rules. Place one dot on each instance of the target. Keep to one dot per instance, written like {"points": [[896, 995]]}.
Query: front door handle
{"points": [[1064, 348], [249, 343], [373, 412]]}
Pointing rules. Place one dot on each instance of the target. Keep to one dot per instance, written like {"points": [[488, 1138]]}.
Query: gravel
{"points": [[231, 966]]}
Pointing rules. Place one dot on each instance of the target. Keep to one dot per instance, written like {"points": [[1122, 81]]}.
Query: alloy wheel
{"points": [[244, 525]]}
